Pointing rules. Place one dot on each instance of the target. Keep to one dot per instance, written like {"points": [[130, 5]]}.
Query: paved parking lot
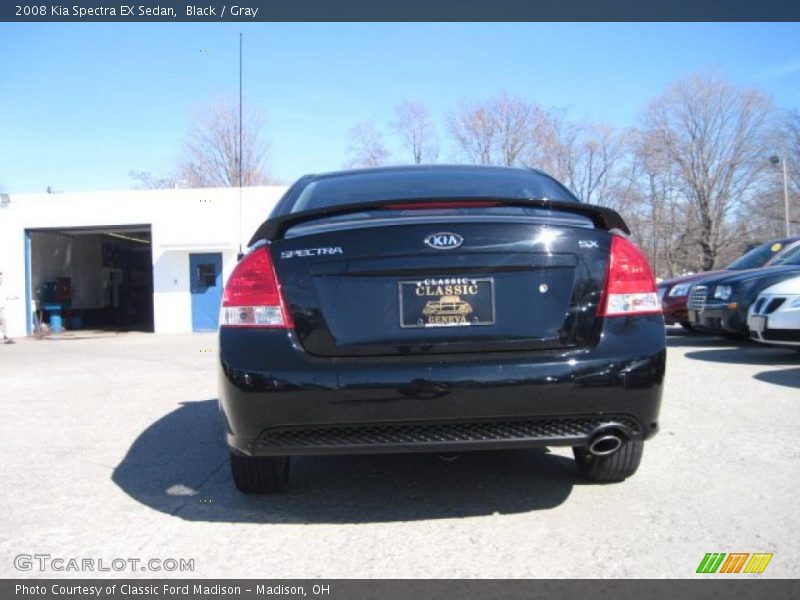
{"points": [[112, 448]]}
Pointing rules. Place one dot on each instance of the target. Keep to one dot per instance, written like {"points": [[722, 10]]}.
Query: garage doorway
{"points": [[92, 278], [206, 286]]}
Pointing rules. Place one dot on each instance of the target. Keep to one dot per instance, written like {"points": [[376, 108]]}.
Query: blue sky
{"points": [[83, 104]]}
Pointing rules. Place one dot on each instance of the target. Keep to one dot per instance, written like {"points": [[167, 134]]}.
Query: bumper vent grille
{"points": [[781, 335], [697, 298], [767, 305], [433, 433], [774, 305]]}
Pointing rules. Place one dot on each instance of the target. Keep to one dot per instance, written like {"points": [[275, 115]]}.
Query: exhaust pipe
{"points": [[605, 444], [449, 456]]}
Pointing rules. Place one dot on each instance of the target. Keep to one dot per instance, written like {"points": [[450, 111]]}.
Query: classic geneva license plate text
{"points": [[447, 302]]}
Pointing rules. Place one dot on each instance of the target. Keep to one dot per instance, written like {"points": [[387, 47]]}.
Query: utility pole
{"points": [[786, 198], [775, 160]]}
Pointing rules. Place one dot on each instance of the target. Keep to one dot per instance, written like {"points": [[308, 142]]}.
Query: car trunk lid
{"points": [[372, 287]]}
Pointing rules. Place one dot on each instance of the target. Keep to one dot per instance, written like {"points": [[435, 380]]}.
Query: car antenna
{"points": [[240, 254]]}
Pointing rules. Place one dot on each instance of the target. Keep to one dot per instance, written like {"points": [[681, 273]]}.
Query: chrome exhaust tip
{"points": [[605, 444]]}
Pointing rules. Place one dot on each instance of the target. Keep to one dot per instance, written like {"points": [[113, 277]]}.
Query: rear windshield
{"points": [[436, 183], [757, 257]]}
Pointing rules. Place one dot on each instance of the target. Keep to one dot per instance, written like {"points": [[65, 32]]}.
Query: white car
{"points": [[774, 318]]}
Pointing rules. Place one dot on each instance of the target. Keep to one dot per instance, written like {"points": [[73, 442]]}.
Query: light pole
{"points": [[782, 161]]}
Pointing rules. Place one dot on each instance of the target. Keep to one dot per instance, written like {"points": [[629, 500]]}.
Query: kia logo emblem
{"points": [[444, 240]]}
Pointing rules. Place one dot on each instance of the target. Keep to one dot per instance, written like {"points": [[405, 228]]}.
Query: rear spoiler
{"points": [[275, 227]]}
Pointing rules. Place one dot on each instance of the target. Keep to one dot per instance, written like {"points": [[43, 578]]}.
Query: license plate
{"points": [[447, 302], [758, 323]]}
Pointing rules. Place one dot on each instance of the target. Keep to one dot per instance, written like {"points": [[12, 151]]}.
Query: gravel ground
{"points": [[112, 448]]}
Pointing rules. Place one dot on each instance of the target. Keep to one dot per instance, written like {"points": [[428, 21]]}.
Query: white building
{"points": [[153, 260]]}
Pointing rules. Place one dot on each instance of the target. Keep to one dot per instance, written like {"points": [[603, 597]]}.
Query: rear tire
{"points": [[260, 474], [613, 468], [688, 326]]}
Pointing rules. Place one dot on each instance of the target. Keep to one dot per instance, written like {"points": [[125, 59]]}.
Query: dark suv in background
{"points": [[674, 292], [719, 304]]}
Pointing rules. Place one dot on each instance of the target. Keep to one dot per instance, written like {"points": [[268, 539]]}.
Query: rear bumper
{"points": [[444, 436], [278, 400]]}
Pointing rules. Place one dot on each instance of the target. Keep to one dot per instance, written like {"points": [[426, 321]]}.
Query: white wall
{"points": [[182, 221], [173, 302]]}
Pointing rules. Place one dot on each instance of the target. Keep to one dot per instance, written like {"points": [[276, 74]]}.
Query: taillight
{"points": [[252, 296], [630, 285]]}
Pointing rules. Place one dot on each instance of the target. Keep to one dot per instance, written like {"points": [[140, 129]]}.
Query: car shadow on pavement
{"points": [[787, 377], [679, 338], [179, 466], [747, 354]]}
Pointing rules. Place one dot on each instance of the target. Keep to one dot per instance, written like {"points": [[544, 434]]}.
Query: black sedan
{"points": [[719, 304], [438, 309]]}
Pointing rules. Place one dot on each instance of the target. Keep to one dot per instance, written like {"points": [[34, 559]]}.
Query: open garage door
{"points": [[95, 278]]}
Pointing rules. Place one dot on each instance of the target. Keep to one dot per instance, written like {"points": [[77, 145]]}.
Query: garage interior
{"points": [[92, 278]]}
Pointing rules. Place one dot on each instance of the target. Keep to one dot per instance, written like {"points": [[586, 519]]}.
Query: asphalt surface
{"points": [[112, 448]]}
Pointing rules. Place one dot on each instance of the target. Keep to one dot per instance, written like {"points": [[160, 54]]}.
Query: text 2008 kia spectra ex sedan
{"points": [[438, 309]]}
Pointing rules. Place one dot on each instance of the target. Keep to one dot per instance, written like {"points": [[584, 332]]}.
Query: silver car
{"points": [[774, 318]]}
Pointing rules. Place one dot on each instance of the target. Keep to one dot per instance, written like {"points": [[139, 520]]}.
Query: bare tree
{"points": [[210, 153], [493, 131], [649, 194], [414, 126], [767, 209], [366, 146], [148, 181], [584, 156], [475, 131], [210, 156], [717, 138], [514, 118], [593, 174], [553, 146]]}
